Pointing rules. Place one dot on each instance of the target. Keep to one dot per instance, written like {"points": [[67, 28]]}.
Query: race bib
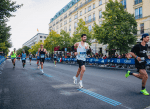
{"points": [[23, 58], [42, 56]]}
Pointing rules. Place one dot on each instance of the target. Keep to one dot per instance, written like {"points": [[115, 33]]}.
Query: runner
{"points": [[30, 57], [82, 47], [13, 57], [139, 53], [55, 59], [38, 59], [23, 57], [42, 53], [19, 57]]}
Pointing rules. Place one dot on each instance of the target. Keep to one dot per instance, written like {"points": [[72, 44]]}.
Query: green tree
{"points": [[118, 29], [53, 40], [81, 29], [65, 39], [19, 51], [6, 9], [26, 48], [35, 48]]}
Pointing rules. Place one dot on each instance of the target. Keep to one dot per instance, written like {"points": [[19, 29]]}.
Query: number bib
{"points": [[42, 56]]}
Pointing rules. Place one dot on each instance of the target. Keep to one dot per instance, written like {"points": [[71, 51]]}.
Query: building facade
{"points": [[91, 11], [38, 37]]}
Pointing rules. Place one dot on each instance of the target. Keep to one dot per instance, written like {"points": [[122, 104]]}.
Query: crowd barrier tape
{"points": [[2, 59], [101, 61]]}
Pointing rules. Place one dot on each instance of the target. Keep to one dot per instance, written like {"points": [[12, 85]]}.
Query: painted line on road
{"points": [[47, 75], [100, 97]]}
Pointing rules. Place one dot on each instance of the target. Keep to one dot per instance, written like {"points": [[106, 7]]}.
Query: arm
{"points": [[135, 56], [38, 52]]}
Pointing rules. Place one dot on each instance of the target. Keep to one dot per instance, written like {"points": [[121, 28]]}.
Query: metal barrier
{"points": [[2, 63]]}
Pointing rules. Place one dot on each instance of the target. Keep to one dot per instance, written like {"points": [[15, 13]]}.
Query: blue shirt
{"points": [[23, 56]]}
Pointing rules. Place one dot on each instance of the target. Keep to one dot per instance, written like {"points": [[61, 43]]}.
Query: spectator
{"points": [[113, 56], [105, 57], [119, 56]]}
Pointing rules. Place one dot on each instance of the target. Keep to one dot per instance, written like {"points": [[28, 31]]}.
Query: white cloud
{"points": [[34, 14]]}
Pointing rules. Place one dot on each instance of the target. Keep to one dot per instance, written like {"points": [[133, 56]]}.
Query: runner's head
{"points": [[41, 45], [14, 49], [145, 37], [23, 51], [83, 37]]}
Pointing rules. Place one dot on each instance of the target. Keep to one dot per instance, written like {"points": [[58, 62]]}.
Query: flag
{"points": [[37, 30]]}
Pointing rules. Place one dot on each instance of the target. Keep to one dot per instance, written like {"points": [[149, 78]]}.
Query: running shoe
{"points": [[75, 80], [80, 85], [55, 65], [127, 74], [42, 72], [144, 92]]}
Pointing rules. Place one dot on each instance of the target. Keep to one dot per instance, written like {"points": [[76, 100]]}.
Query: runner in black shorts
{"points": [[23, 57], [42, 53], [55, 59], [82, 47], [30, 57], [139, 53]]}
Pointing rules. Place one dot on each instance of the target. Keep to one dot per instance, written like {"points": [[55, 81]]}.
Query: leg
{"points": [[82, 71], [42, 65], [144, 76], [78, 72]]}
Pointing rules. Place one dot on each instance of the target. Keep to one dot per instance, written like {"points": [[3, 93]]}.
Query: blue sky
{"points": [[34, 14]]}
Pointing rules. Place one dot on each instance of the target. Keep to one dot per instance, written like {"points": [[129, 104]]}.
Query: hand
{"points": [[75, 53], [128, 55], [138, 58]]}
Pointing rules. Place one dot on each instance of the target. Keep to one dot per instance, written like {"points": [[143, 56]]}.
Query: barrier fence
{"points": [[2, 61]]}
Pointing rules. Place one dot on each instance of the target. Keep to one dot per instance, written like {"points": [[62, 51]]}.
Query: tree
{"points": [[81, 29], [35, 48], [19, 51], [65, 40], [6, 9], [53, 40], [118, 29], [26, 48]]}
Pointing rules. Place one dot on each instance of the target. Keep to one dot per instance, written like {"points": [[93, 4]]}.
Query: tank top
{"points": [[23, 56], [55, 56], [30, 55], [42, 54], [81, 52], [13, 55]]}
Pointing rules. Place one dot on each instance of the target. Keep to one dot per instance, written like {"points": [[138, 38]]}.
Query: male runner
{"points": [[55, 59], [82, 47], [13, 57], [30, 57], [23, 57], [139, 53], [38, 59], [42, 53]]}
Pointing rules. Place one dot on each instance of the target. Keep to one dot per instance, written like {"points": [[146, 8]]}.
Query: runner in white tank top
{"points": [[81, 58]]}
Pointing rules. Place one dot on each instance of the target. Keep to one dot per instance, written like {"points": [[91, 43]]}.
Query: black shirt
{"points": [[140, 51]]}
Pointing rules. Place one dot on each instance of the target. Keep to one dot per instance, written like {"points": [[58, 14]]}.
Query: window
{"points": [[94, 16], [138, 13], [123, 2], [137, 1], [70, 28], [61, 25], [75, 25], [89, 9], [100, 2], [80, 13], [70, 20], [85, 19], [75, 17], [44, 37], [89, 18], [100, 14], [57, 26], [75, 8], [81, 4], [142, 28], [90, 28], [41, 37], [70, 34], [85, 10], [65, 22], [93, 6], [100, 23], [40, 40]]}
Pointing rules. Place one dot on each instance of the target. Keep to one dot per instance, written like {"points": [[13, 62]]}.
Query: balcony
{"points": [[138, 16], [80, 7], [137, 2], [90, 20], [53, 24]]}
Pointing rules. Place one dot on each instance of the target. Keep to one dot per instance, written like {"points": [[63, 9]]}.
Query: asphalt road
{"points": [[103, 88]]}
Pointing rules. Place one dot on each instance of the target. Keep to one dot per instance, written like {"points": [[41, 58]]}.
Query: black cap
{"points": [[144, 35]]}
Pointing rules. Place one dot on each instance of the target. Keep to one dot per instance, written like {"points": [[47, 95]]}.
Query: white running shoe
{"points": [[80, 85], [75, 80], [55, 65], [42, 72]]}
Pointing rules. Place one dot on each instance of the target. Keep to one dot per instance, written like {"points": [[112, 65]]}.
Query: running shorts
{"points": [[23, 61], [42, 60], [55, 59], [140, 66], [30, 58], [81, 63]]}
